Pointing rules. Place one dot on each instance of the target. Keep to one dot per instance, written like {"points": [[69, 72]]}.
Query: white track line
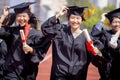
{"points": [[46, 58]]}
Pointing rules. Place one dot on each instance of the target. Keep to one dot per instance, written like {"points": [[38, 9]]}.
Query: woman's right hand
{"points": [[103, 17], [6, 10], [5, 13], [62, 12]]}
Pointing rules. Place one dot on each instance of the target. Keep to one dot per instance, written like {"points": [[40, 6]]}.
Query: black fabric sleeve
{"points": [[51, 27]]}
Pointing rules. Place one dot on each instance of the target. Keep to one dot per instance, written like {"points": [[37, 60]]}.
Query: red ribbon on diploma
{"points": [[89, 43], [23, 37], [90, 47]]}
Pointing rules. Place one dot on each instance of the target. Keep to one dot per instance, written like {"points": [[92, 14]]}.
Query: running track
{"points": [[45, 66]]}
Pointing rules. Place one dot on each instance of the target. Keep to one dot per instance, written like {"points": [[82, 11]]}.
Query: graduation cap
{"points": [[114, 13], [75, 10], [23, 7]]}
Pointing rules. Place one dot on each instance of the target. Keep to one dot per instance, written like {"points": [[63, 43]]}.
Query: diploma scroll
{"points": [[23, 37], [89, 43]]}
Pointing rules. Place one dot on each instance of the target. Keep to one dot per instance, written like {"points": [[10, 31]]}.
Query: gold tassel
{"points": [[89, 12], [84, 15], [93, 9]]}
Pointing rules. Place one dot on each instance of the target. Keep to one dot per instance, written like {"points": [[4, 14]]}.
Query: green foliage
{"points": [[94, 19], [90, 22]]}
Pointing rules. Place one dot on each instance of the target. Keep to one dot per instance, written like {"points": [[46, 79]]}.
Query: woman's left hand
{"points": [[27, 49], [97, 51]]}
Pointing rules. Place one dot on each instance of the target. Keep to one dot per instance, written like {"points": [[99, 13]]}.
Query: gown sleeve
{"points": [[51, 27], [4, 32], [116, 51], [97, 30], [97, 34], [3, 53], [118, 44], [40, 51], [98, 61], [40, 45]]}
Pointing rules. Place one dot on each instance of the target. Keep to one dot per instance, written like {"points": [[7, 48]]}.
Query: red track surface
{"points": [[45, 67]]}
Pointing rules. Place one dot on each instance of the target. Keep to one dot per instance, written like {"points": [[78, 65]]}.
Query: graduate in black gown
{"points": [[22, 60], [3, 45], [70, 56], [111, 40]]}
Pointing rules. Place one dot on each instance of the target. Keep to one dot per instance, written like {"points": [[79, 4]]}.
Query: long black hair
{"points": [[9, 20], [33, 20]]}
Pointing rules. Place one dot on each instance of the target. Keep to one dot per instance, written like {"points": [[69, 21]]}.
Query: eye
{"points": [[72, 17], [79, 18]]}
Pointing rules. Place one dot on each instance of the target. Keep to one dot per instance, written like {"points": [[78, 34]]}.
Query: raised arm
{"points": [[5, 13], [100, 24], [97, 30], [62, 12], [52, 26]]}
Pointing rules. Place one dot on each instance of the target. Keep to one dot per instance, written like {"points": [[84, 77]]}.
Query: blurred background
{"points": [[44, 9]]}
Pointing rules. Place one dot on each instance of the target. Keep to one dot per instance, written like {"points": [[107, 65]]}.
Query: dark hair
{"points": [[111, 18], [9, 20], [33, 20]]}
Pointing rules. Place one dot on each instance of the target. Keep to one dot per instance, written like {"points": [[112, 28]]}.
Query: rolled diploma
{"points": [[85, 32], [23, 37], [87, 36]]}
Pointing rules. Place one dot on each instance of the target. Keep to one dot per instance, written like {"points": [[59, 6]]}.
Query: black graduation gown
{"points": [[3, 52], [70, 56], [40, 45], [115, 69], [104, 36], [18, 65]]}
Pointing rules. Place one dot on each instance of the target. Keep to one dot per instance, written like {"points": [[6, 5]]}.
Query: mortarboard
{"points": [[113, 13], [23, 7], [75, 10]]}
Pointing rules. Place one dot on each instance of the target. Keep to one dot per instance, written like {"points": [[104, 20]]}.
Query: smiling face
{"points": [[115, 24], [22, 19], [75, 21]]}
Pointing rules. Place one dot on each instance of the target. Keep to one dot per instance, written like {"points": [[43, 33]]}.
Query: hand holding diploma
{"points": [[90, 47], [26, 47]]}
